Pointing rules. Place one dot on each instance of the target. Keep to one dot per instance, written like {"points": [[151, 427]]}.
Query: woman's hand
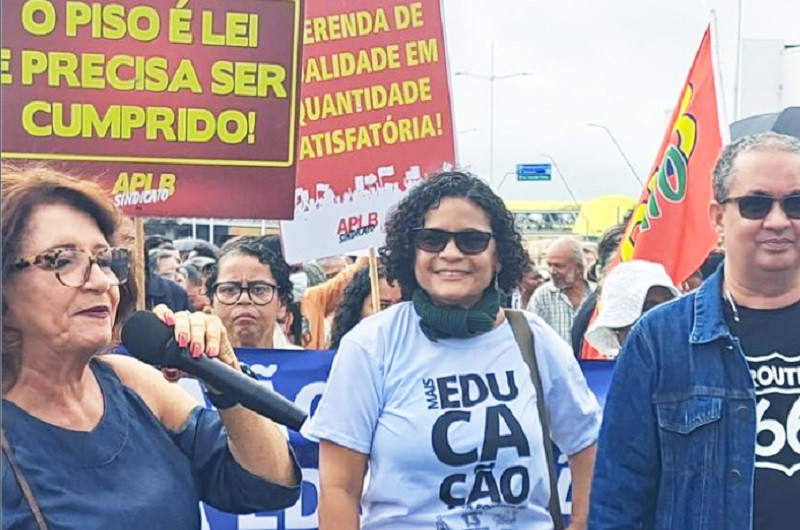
{"points": [[202, 333], [256, 443]]}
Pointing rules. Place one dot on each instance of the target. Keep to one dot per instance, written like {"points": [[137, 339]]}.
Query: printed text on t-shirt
{"points": [[456, 394]]}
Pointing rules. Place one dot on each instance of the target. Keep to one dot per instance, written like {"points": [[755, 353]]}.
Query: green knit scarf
{"points": [[444, 322]]}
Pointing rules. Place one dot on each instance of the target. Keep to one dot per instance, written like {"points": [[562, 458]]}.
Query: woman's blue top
{"points": [[130, 471]]}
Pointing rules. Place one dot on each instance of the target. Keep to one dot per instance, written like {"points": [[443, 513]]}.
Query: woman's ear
{"points": [[283, 311]]}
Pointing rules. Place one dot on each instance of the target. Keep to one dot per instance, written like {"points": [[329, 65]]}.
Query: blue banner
{"points": [[300, 376]]}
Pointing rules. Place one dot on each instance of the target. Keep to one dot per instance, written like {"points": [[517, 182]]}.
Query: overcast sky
{"points": [[620, 63]]}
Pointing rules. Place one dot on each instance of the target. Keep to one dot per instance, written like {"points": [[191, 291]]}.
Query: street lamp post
{"points": [[497, 190], [610, 135], [564, 180], [491, 78], [737, 75]]}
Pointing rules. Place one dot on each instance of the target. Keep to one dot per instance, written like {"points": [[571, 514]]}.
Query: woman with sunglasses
{"points": [[248, 287], [95, 440], [433, 395]]}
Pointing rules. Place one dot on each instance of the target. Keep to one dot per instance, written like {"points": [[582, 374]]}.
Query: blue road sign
{"points": [[533, 172]]}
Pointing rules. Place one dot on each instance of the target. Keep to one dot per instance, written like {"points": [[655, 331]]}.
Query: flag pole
{"points": [[722, 108]]}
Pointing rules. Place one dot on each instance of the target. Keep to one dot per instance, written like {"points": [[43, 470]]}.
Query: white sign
{"points": [[330, 224]]}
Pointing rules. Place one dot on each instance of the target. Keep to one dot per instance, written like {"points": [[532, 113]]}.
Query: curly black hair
{"points": [[296, 330], [348, 314], [259, 248], [399, 253]]}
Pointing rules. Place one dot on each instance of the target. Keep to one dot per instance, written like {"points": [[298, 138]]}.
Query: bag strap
{"points": [[23, 484], [524, 336]]}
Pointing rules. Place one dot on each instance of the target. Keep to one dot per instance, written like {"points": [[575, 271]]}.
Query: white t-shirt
{"points": [[451, 427]]}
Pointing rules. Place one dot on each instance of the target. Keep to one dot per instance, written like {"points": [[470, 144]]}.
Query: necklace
{"points": [[733, 305]]}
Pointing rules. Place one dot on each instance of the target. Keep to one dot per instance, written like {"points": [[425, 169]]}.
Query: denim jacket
{"points": [[677, 444]]}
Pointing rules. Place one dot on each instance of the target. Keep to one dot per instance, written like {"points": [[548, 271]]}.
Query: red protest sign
{"points": [[184, 109], [375, 118]]}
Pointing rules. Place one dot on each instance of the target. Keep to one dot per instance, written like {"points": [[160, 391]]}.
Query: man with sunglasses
{"points": [[702, 421]]}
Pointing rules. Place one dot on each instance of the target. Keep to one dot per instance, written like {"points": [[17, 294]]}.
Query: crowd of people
{"points": [[439, 409], [307, 306]]}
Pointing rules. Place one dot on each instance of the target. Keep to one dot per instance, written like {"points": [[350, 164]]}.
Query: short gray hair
{"points": [[157, 254], [723, 171], [575, 246]]}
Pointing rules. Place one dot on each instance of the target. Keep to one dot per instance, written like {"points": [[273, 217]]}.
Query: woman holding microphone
{"points": [[93, 440]]}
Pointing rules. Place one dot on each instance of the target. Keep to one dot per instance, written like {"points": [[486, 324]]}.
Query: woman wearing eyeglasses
{"points": [[247, 286], [103, 441], [433, 395]]}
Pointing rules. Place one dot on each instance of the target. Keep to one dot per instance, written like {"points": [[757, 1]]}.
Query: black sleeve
{"points": [[223, 483], [581, 323], [178, 298], [183, 301]]}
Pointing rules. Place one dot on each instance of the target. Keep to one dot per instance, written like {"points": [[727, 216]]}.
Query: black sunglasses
{"points": [[467, 241], [758, 206]]}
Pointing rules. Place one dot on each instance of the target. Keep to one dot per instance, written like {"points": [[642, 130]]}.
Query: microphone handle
{"points": [[250, 393]]}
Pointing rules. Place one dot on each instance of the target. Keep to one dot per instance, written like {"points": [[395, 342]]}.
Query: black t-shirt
{"points": [[771, 343]]}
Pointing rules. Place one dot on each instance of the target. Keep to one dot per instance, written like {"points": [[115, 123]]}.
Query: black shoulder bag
{"points": [[524, 336]]}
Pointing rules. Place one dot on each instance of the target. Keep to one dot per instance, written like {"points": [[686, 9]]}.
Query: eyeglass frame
{"points": [[38, 260], [242, 290], [780, 200]]}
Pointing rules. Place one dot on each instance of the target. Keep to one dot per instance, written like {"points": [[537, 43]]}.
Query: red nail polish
{"points": [[212, 352], [183, 340], [196, 350], [168, 320]]}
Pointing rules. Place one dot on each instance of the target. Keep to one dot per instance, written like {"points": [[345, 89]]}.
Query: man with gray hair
{"points": [[702, 422], [160, 287], [164, 262], [558, 300]]}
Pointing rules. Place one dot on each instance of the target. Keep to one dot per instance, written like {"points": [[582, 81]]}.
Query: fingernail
{"points": [[212, 352], [196, 350], [168, 320], [183, 340]]}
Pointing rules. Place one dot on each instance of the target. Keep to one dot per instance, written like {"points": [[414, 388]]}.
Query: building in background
{"points": [[770, 77], [216, 231]]}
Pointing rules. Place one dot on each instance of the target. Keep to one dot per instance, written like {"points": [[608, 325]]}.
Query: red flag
{"points": [[670, 224]]}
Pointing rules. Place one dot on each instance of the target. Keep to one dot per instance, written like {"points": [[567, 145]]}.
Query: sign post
{"points": [[140, 262], [374, 281], [534, 172]]}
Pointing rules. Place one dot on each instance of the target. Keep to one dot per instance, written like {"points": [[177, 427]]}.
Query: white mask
{"points": [[300, 284]]}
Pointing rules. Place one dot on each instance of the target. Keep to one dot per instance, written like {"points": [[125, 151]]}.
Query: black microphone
{"points": [[153, 342]]}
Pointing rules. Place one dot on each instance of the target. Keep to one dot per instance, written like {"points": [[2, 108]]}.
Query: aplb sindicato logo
{"points": [[136, 188], [668, 181], [355, 226]]}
